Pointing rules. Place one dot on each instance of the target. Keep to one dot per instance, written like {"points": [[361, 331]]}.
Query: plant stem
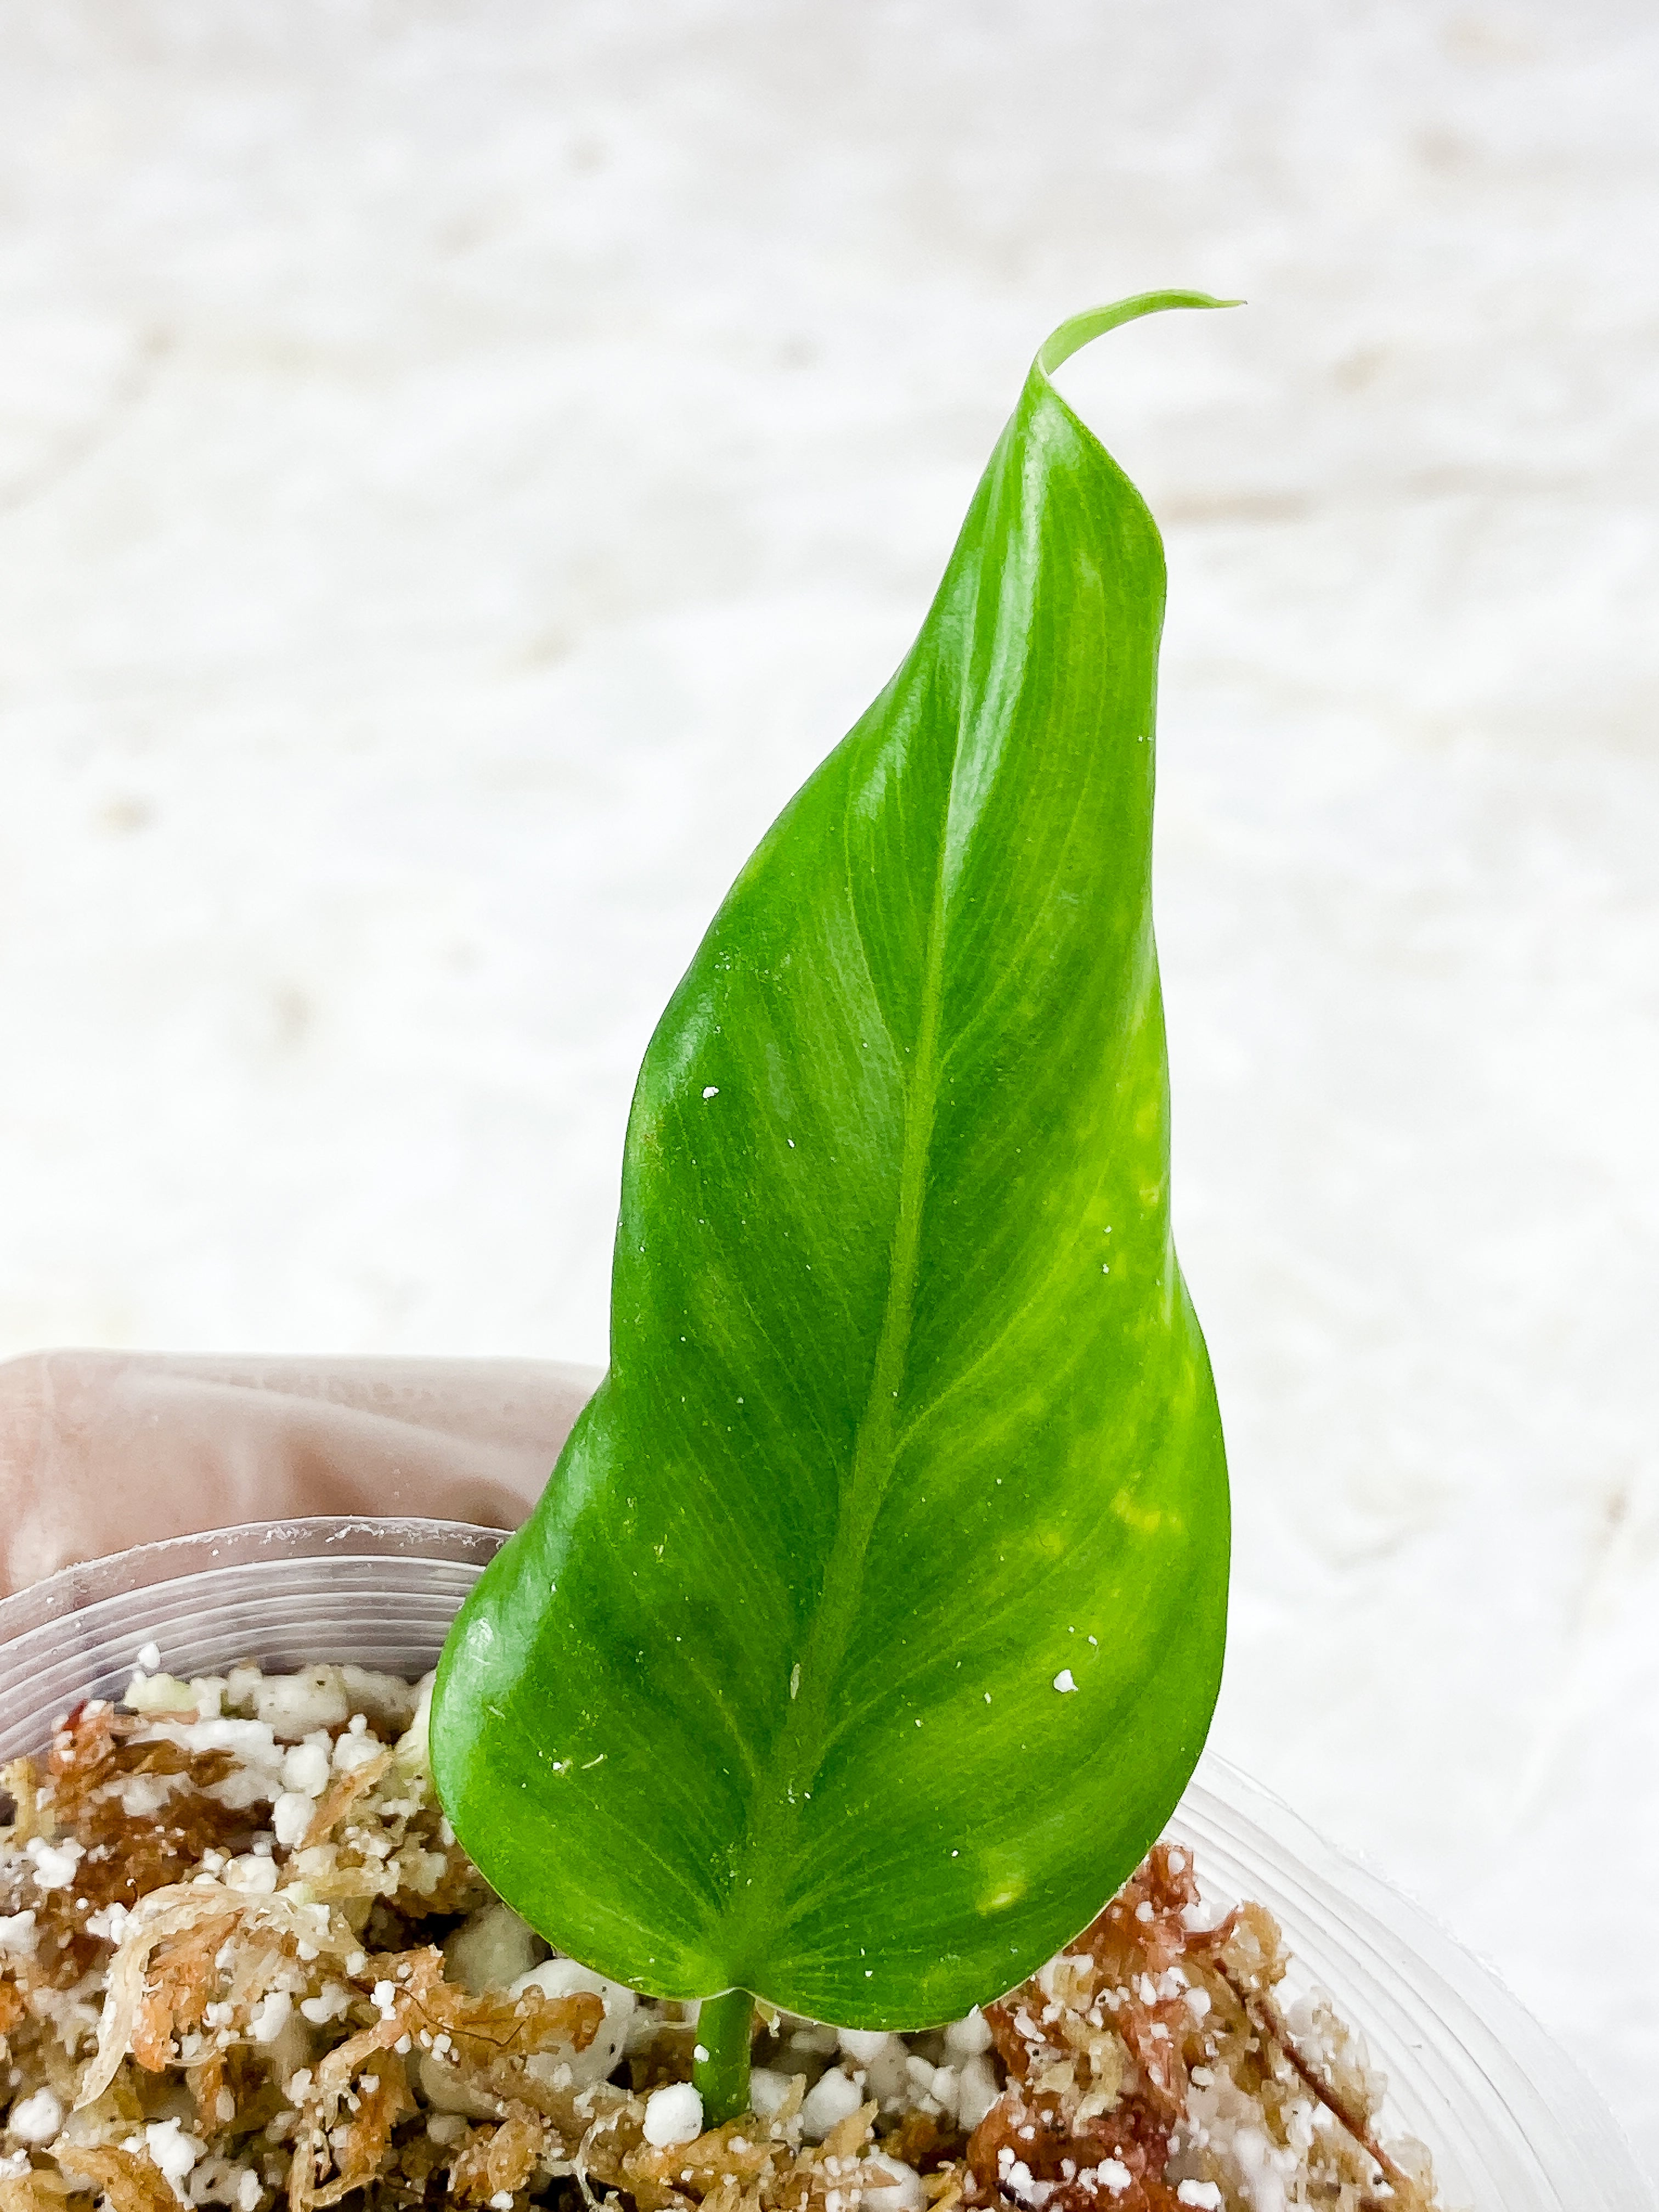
{"points": [[725, 2025]]}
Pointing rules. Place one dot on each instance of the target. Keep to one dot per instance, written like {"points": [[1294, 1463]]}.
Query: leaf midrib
{"points": [[797, 1747]]}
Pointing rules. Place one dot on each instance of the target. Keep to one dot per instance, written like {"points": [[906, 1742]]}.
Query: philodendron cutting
{"points": [[871, 1624]]}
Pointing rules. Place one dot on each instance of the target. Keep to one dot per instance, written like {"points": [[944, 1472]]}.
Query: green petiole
{"points": [[724, 2027]]}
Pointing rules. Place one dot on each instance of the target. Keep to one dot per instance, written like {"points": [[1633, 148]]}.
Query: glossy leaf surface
{"points": [[909, 1427]]}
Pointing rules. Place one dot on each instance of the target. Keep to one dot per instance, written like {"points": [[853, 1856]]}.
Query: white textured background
{"points": [[462, 461]]}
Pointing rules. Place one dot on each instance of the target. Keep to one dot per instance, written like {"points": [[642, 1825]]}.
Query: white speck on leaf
{"points": [[711, 1090], [1063, 1679], [794, 1679]]}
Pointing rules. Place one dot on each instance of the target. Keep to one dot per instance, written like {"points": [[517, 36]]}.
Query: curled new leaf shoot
{"points": [[871, 1621]]}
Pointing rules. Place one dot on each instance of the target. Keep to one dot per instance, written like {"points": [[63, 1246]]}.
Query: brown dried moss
{"points": [[299, 2018]]}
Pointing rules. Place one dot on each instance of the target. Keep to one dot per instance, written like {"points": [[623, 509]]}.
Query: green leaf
{"points": [[908, 1426]]}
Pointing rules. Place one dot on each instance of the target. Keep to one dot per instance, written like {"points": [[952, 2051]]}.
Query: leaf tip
{"points": [[1078, 331]]}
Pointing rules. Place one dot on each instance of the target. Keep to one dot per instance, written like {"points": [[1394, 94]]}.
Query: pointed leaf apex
{"points": [[1078, 331]]}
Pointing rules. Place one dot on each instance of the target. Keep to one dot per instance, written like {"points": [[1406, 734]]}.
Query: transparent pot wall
{"points": [[381, 1592], [1513, 2125]]}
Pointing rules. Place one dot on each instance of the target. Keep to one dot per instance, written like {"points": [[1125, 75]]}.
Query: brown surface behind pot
{"points": [[102, 1449]]}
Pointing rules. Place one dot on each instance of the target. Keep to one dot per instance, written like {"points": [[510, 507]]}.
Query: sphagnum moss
{"points": [[244, 1962]]}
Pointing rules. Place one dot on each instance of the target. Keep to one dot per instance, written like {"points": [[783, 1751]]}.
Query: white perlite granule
{"points": [[673, 2115]]}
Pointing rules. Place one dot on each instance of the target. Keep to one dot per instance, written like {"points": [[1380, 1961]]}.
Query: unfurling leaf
{"points": [[871, 1623]]}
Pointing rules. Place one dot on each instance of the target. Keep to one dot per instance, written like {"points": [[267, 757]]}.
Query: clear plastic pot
{"points": [[1513, 2125]]}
